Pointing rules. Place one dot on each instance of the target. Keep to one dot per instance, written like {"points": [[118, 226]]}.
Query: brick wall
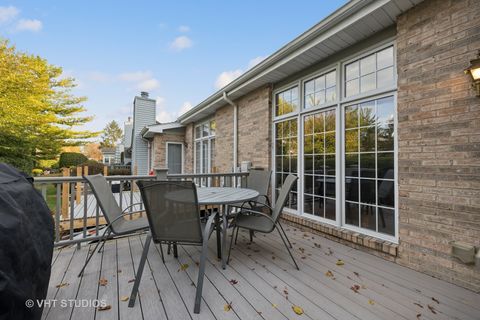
{"points": [[160, 145], [439, 138], [224, 139], [254, 128], [189, 149]]}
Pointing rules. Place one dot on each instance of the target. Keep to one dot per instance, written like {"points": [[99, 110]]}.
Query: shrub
{"points": [[71, 159], [119, 172], [37, 172], [94, 167]]}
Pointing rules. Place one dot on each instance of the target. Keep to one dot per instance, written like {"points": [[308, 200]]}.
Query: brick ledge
{"points": [[373, 245]]}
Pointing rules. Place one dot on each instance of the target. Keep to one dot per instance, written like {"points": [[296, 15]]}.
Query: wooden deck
{"points": [[259, 283]]}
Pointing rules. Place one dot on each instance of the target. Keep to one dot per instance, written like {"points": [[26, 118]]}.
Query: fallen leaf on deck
{"points": [[275, 287], [303, 257], [438, 302], [227, 307], [340, 262], [119, 270], [233, 281], [273, 257], [418, 304], [183, 267], [131, 280], [318, 245], [63, 284], [297, 310], [329, 274], [103, 282], [419, 315], [364, 286], [302, 250], [355, 288], [124, 298], [432, 309], [371, 302], [356, 273], [104, 308], [329, 253], [197, 263], [274, 305]]}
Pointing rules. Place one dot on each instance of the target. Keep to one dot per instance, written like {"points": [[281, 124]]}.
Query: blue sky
{"points": [[178, 51]]}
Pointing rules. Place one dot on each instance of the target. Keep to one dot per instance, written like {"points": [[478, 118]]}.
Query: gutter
{"points": [[235, 130]]}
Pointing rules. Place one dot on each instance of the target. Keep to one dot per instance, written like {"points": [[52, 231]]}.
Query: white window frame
{"points": [[338, 105], [209, 139], [183, 154]]}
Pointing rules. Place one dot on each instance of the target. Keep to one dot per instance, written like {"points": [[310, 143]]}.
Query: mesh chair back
{"points": [[172, 210], [259, 180], [105, 199], [283, 196]]}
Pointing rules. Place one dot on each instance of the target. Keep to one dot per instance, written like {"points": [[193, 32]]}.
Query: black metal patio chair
{"points": [[256, 220], [117, 224], [174, 218]]}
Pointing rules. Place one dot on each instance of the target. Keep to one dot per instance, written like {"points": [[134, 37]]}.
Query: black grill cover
{"points": [[26, 245]]}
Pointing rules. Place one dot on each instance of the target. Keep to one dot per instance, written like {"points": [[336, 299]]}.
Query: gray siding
{"points": [[143, 115]]}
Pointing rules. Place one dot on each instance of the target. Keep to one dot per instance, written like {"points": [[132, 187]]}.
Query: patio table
{"points": [[223, 197]]}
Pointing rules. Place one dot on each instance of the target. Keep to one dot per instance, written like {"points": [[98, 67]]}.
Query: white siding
{"points": [[143, 115]]}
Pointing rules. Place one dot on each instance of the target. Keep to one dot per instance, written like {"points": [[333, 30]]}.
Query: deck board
{"points": [[167, 292]]}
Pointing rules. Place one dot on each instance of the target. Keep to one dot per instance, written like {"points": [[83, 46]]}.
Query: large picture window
{"points": [[286, 144], [205, 147], [319, 164], [369, 165], [340, 124]]}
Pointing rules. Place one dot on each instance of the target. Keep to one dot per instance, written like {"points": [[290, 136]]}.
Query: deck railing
{"points": [[77, 215]]}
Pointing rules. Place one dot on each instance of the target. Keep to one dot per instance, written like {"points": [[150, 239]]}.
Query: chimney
{"points": [[144, 94]]}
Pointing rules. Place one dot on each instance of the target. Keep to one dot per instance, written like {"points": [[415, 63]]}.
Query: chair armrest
{"points": [[208, 226], [123, 212], [258, 213], [259, 204]]}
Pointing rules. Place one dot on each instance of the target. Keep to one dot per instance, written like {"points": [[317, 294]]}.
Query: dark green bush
{"points": [[71, 159], [119, 172], [94, 167]]}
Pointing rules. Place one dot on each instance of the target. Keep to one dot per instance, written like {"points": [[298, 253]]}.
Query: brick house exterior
{"points": [[437, 127], [439, 134]]}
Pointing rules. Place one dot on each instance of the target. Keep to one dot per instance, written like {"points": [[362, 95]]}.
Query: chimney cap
{"points": [[144, 94]]}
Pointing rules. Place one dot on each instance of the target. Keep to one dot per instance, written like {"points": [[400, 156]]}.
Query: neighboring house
{"points": [[372, 110], [108, 156]]}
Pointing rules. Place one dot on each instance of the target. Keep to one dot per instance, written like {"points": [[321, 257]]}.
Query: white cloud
{"points": [[143, 80], [226, 77], [181, 43], [148, 85], [33, 25], [8, 14], [184, 28], [187, 105], [160, 101], [252, 63]]}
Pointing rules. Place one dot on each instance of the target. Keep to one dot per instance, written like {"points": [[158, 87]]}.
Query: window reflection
{"points": [[320, 90], [286, 148], [320, 146], [369, 165]]}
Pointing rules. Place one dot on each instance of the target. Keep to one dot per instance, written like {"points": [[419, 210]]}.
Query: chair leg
{"points": [[175, 250], [103, 242], [285, 234], [251, 235], [90, 254], [169, 247], [236, 237], [161, 252], [286, 246], [138, 276], [231, 244], [201, 273]]}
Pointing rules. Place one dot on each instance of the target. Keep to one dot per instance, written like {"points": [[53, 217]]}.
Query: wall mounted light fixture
{"points": [[474, 71]]}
